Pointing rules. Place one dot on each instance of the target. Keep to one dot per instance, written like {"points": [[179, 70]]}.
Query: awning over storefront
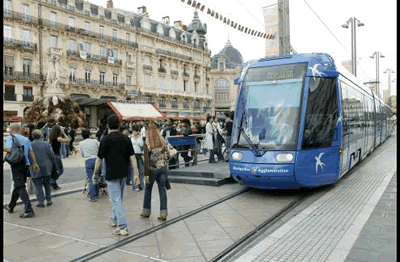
{"points": [[134, 112], [88, 101]]}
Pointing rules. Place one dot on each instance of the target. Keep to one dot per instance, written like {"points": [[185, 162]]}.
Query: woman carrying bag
{"points": [[157, 153]]}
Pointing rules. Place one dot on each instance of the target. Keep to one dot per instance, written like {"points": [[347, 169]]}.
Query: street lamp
{"points": [[389, 71], [353, 21], [377, 55]]}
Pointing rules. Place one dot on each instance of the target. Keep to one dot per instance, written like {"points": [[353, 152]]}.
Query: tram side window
{"points": [[321, 113]]}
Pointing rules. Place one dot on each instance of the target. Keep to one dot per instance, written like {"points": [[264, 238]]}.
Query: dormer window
{"points": [[221, 66]]}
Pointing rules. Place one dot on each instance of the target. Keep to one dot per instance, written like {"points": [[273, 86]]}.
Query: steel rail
{"points": [[149, 231], [236, 247]]}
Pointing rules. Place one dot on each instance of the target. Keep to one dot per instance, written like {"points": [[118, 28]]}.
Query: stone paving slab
{"points": [[326, 230]]}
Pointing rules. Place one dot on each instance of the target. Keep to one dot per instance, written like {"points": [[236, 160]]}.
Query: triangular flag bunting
{"points": [[198, 5], [212, 13], [216, 16], [202, 8], [225, 20], [189, 2], [208, 11], [235, 25], [194, 4], [245, 31]]}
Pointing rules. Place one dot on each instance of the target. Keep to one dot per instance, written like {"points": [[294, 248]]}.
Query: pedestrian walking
{"points": [[46, 160], [157, 153], [116, 149], [137, 143], [20, 170], [218, 140], [26, 132], [89, 149], [210, 139], [124, 130], [57, 136]]}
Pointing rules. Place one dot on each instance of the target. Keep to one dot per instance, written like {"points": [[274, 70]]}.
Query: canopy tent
{"points": [[134, 112]]}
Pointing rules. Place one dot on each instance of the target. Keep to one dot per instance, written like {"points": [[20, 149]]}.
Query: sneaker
{"points": [[136, 189], [27, 215], [122, 232], [40, 205], [49, 203], [93, 199], [9, 209], [113, 223]]}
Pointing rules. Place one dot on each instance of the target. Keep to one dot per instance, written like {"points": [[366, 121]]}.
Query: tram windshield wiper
{"points": [[241, 131]]}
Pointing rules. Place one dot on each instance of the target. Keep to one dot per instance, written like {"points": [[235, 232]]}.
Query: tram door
{"points": [[346, 129]]}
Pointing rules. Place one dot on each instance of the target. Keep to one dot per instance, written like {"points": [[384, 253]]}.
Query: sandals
{"points": [[145, 215], [162, 217]]}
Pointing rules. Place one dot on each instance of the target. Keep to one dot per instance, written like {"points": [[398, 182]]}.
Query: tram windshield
{"points": [[270, 108]]}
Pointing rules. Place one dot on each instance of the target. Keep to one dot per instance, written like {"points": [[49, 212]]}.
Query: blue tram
{"points": [[302, 121]]}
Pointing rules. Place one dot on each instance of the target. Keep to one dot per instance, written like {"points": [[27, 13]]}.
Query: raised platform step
{"points": [[202, 174], [200, 180]]}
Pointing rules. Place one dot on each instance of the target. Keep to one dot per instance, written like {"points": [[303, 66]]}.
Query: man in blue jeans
{"points": [[117, 150], [89, 148]]}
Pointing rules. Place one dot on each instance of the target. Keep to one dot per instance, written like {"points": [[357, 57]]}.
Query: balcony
{"points": [[27, 98], [10, 97], [185, 74], [93, 57], [173, 54], [162, 70], [174, 72], [84, 32], [196, 76], [130, 64], [55, 50], [148, 67], [23, 45], [174, 106], [162, 105], [22, 76], [196, 107], [186, 106], [12, 15]]}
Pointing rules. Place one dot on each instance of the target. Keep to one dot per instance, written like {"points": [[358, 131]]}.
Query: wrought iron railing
{"points": [[162, 70], [10, 97], [148, 67], [185, 74], [27, 98], [92, 57], [21, 76], [9, 42], [169, 53], [94, 83], [10, 14], [174, 72]]}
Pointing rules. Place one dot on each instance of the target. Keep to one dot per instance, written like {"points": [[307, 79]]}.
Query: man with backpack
{"points": [[19, 150]]}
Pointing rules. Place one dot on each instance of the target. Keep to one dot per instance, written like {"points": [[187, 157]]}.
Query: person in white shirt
{"points": [[137, 143], [89, 148]]}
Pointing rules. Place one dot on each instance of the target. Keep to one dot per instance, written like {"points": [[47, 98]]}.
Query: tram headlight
{"points": [[237, 156], [286, 157]]}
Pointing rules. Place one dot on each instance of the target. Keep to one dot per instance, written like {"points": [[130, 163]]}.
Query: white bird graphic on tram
{"points": [[319, 163], [314, 71]]}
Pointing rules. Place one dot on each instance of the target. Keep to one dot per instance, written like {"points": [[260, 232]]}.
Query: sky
{"points": [[307, 32]]}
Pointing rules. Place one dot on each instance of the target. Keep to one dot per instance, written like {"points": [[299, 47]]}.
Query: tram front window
{"points": [[270, 108]]}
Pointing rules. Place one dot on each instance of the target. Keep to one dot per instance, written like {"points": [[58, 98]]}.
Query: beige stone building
{"points": [[106, 54], [225, 67]]}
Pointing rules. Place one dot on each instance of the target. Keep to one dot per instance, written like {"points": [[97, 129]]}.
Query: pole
{"points": [[377, 74], [353, 46]]}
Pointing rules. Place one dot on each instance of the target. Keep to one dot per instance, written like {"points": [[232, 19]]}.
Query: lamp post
{"points": [[389, 71], [377, 55], [352, 21]]}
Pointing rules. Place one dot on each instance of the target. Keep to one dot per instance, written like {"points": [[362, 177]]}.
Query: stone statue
{"points": [[54, 73]]}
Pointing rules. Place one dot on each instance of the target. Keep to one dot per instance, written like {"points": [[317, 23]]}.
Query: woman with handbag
{"points": [[157, 153], [46, 160]]}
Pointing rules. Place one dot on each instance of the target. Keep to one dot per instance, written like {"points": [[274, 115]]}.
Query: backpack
{"points": [[17, 154]]}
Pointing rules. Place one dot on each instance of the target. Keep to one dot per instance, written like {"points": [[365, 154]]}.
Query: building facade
{"points": [[105, 54], [225, 67]]}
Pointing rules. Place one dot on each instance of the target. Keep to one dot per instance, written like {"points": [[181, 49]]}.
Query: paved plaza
{"points": [[351, 221]]}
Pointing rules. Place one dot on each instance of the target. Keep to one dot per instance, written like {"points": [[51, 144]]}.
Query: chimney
{"points": [[178, 24], [110, 4]]}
